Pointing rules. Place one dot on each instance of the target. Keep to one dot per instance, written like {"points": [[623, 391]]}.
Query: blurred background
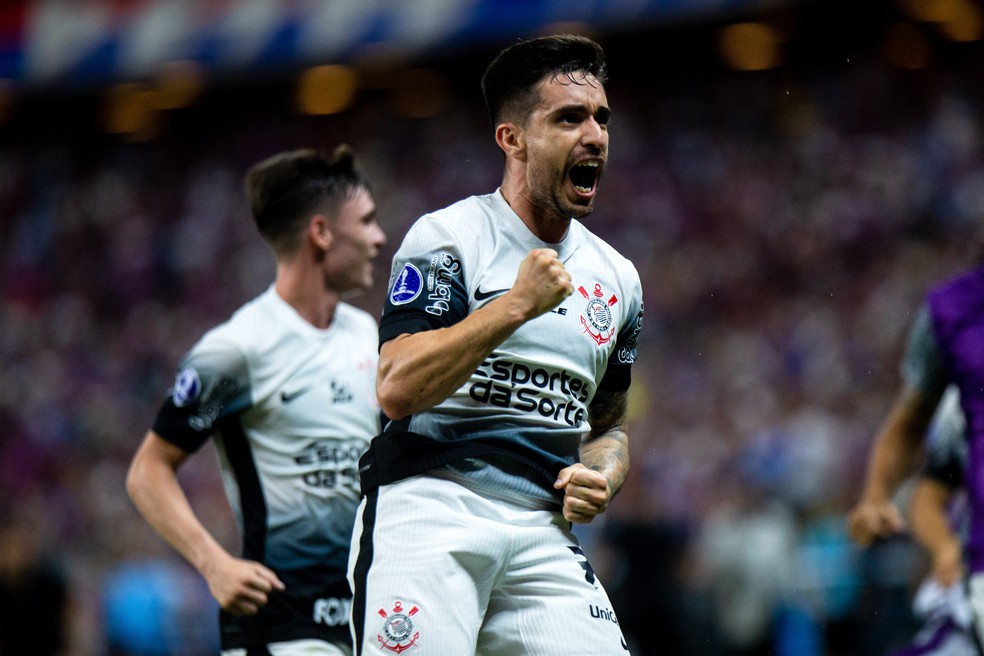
{"points": [[788, 177]]}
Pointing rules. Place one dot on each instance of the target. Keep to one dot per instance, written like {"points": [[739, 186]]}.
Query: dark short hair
{"points": [[286, 189], [509, 82]]}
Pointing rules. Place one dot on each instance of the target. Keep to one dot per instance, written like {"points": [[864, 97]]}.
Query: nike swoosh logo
{"points": [[481, 296], [287, 397]]}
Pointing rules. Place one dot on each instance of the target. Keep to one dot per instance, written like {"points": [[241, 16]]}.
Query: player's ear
{"points": [[511, 140], [319, 231]]}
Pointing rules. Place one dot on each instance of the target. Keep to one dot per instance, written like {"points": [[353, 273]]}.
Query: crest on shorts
{"points": [[398, 632], [597, 318]]}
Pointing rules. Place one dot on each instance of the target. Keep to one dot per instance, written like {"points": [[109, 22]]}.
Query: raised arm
{"points": [[240, 586], [420, 370], [590, 485]]}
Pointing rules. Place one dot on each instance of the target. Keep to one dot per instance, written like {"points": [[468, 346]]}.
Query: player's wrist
{"points": [[518, 309], [875, 496]]}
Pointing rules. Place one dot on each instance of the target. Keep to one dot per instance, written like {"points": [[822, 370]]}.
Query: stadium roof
{"points": [[57, 43]]}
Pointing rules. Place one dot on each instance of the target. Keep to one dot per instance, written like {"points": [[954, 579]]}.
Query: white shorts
{"points": [[947, 621], [439, 568], [975, 592], [298, 648]]}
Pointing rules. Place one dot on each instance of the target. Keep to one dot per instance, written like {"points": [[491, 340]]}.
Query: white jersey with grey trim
{"points": [[534, 389], [292, 408]]}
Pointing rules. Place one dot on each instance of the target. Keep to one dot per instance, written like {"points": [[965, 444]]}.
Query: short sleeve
{"points": [[946, 445], [922, 364], [618, 373], [427, 287], [212, 385]]}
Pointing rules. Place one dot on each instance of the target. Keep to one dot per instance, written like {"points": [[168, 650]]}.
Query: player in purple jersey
{"points": [[897, 450], [506, 345], [937, 522], [286, 388], [937, 509], [946, 336]]}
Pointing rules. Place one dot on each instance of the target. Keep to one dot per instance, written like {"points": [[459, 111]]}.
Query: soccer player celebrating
{"points": [[507, 340]]}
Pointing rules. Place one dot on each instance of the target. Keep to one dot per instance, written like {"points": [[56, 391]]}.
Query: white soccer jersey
{"points": [[292, 408], [528, 401]]}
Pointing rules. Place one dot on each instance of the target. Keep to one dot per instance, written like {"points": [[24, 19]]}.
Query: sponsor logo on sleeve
{"points": [[407, 285], [444, 268], [187, 387], [212, 404], [627, 354]]}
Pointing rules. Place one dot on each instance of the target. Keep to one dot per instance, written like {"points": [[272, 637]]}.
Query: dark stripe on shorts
{"points": [[361, 572]]}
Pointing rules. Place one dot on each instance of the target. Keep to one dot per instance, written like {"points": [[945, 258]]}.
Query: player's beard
{"points": [[548, 190]]}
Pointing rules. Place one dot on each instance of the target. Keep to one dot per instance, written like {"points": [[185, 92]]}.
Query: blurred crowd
{"points": [[785, 228]]}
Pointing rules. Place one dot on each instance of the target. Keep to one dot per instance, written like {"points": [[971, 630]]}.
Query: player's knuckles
{"points": [[584, 505], [588, 479]]}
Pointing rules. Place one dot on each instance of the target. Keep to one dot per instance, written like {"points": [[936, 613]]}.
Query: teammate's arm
{"points": [[930, 526], [896, 455], [419, 371], [240, 586], [590, 485]]}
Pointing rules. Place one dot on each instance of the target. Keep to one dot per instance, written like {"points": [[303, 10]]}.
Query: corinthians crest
{"points": [[398, 632], [597, 318]]}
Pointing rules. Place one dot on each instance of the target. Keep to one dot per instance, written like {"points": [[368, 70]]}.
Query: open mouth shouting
{"points": [[584, 177]]}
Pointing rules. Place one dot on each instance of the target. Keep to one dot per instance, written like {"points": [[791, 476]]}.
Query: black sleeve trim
{"points": [[406, 323], [949, 473], [171, 424], [618, 378]]}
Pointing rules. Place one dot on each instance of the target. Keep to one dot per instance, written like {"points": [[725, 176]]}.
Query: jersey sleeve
{"points": [[922, 364], [212, 384], [946, 444], [427, 287], [618, 373]]}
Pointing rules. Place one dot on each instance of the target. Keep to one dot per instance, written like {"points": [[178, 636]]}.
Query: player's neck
{"points": [[305, 291], [545, 225]]}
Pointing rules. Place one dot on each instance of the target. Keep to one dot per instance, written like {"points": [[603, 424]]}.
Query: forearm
{"points": [[928, 521], [892, 461], [606, 448], [897, 452], [420, 370], [591, 484], [154, 489], [608, 454]]}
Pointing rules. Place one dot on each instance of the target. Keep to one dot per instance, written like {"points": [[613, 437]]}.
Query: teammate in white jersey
{"points": [[506, 345], [286, 387]]}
